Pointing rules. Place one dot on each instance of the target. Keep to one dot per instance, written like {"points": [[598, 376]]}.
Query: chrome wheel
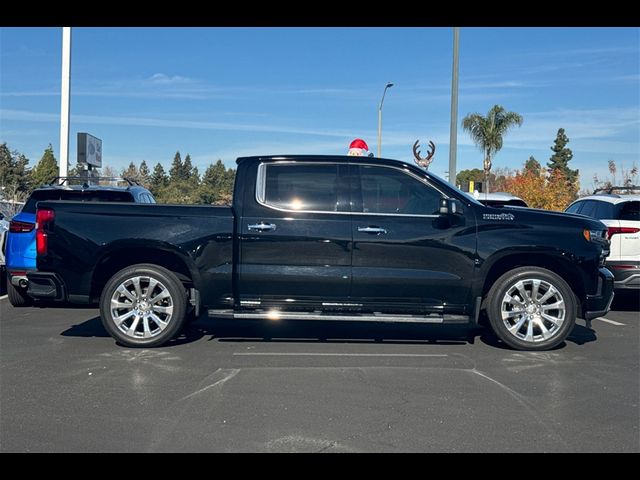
{"points": [[533, 310], [141, 307]]}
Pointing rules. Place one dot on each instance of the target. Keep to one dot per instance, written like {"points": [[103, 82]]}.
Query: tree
{"points": [[15, 179], [629, 178], [46, 169], [107, 171], [143, 174], [131, 172], [187, 168], [540, 191], [14, 171], [533, 166], [487, 132], [158, 179], [560, 161], [176, 170], [495, 179], [217, 184], [465, 176]]}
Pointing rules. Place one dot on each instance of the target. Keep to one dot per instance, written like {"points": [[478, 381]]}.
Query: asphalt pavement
{"points": [[224, 386]]}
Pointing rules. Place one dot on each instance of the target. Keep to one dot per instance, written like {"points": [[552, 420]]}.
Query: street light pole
{"points": [[453, 133], [389, 85], [64, 101]]}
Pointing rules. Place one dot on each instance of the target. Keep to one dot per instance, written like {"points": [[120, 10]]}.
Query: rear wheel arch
{"points": [[118, 258]]}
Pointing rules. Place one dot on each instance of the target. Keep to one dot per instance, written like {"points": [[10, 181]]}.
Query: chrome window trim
{"points": [[261, 184]]}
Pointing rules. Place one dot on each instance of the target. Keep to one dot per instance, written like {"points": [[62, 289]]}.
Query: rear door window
{"points": [[300, 187]]}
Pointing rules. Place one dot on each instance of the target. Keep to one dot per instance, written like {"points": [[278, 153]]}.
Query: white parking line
{"points": [[3, 296], [612, 322], [284, 354]]}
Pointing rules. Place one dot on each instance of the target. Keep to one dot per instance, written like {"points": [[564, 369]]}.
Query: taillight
{"points": [[20, 227], [616, 230], [43, 217]]}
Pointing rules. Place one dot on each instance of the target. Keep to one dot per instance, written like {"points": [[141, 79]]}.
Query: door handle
{"points": [[372, 230], [262, 227]]}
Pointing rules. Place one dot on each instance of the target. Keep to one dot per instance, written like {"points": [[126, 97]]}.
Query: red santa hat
{"points": [[358, 148]]}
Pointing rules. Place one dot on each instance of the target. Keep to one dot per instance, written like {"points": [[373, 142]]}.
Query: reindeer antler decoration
{"points": [[424, 162]]}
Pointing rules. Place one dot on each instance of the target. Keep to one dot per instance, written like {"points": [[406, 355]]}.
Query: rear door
{"points": [[405, 255], [295, 239]]}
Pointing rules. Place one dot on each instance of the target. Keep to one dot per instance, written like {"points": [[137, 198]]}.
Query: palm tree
{"points": [[486, 132]]}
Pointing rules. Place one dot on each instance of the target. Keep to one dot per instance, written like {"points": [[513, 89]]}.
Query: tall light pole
{"points": [[453, 132], [64, 101], [389, 85]]}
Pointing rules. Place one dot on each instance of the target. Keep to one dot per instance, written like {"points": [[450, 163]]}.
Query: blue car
{"points": [[20, 250]]}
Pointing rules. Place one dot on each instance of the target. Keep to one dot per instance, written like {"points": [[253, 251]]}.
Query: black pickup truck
{"points": [[326, 238]]}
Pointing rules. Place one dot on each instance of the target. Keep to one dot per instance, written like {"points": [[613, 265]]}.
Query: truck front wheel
{"points": [[531, 308], [143, 306]]}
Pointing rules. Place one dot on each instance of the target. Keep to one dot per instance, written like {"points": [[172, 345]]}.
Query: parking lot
{"points": [[294, 387]]}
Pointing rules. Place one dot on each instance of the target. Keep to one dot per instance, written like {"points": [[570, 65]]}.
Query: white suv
{"points": [[621, 214]]}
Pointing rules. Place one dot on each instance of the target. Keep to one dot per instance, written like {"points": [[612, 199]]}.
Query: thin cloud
{"points": [[22, 115], [163, 79]]}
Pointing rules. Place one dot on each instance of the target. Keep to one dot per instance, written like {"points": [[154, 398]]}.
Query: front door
{"points": [[406, 256], [295, 249]]}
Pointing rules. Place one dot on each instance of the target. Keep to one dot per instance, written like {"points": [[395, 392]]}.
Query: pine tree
{"points": [[46, 169], [187, 168], [212, 182], [158, 179], [15, 177], [143, 174], [561, 157], [533, 166], [217, 184], [6, 166], [176, 171], [131, 172], [14, 170]]}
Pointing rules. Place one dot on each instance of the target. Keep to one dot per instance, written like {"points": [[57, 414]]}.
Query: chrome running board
{"points": [[369, 317]]}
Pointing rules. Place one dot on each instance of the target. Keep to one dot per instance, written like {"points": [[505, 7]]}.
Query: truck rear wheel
{"points": [[531, 308], [143, 305]]}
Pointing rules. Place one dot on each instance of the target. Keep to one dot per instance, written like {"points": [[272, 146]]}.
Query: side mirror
{"points": [[450, 206]]}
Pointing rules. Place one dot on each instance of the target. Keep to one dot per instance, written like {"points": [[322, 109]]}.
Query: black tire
{"points": [[147, 331], [500, 306], [18, 296]]}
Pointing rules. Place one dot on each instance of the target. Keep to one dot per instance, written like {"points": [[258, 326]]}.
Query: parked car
{"points": [[326, 238], [4, 228], [21, 240], [499, 199], [621, 214]]}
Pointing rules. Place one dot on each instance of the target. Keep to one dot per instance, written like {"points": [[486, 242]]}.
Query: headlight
{"points": [[597, 236]]}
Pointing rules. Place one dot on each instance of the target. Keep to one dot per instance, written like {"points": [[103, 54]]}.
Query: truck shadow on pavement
{"points": [[326, 332]]}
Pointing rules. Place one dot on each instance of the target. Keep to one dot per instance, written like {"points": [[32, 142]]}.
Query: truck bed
{"points": [[90, 236]]}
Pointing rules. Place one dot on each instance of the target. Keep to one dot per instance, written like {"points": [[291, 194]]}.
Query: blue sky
{"points": [[228, 92]]}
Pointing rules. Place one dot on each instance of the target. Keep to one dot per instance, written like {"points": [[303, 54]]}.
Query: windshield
{"points": [[440, 180]]}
